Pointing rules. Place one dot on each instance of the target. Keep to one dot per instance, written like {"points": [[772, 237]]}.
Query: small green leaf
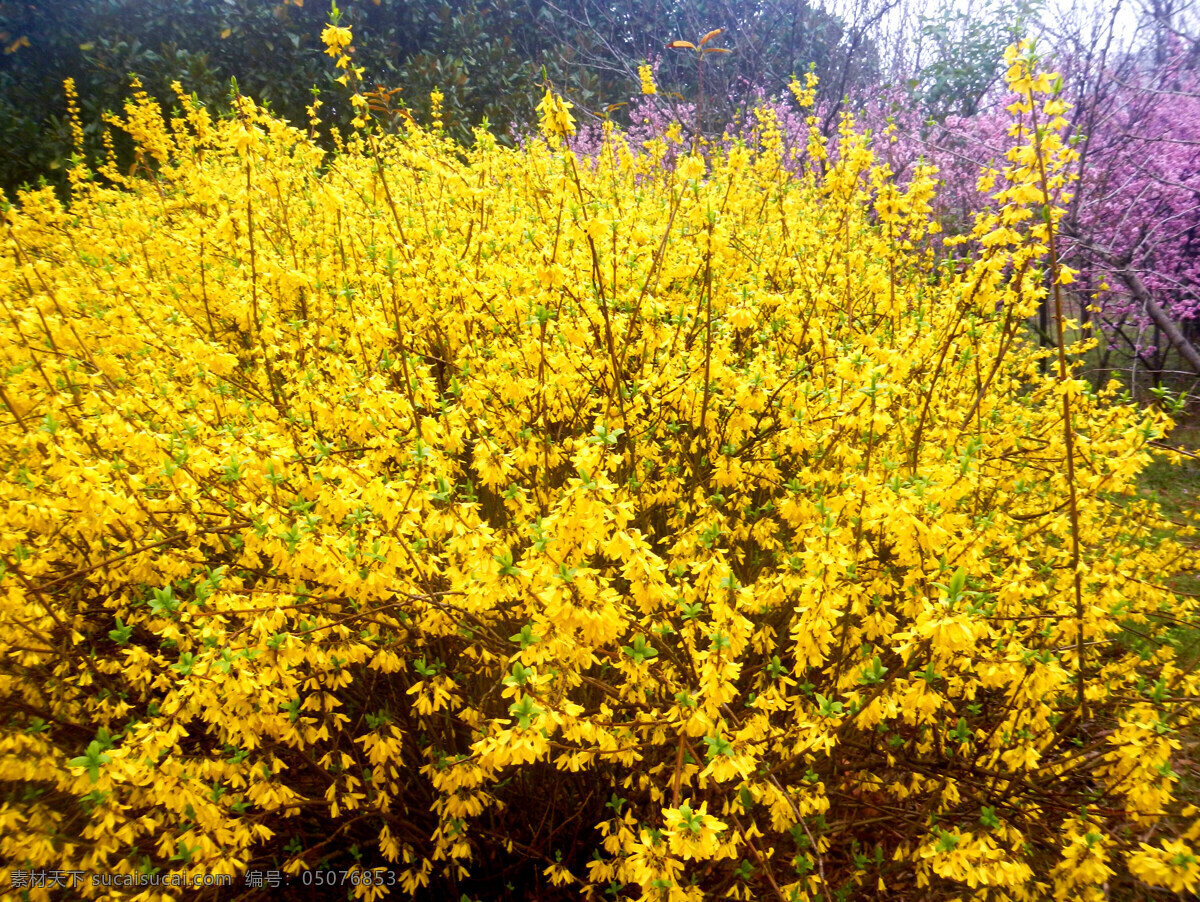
{"points": [[121, 634], [525, 638], [640, 651]]}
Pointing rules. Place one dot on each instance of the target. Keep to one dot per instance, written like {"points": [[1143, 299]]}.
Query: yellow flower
{"points": [[556, 119], [646, 75], [336, 39], [691, 167]]}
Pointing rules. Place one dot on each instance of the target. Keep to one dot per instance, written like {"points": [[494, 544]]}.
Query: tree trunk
{"points": [[1160, 318]]}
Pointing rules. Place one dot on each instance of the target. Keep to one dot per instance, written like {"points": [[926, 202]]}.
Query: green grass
{"points": [[1175, 486]]}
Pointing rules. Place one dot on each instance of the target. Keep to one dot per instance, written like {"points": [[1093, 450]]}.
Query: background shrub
{"points": [[485, 56]]}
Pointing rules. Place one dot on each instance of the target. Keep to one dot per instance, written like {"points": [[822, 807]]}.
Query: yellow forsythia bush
{"points": [[512, 522]]}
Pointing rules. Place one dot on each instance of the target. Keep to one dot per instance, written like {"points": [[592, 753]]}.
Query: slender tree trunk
{"points": [[1160, 318]]}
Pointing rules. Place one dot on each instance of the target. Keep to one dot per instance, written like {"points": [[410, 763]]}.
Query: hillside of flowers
{"points": [[485, 522]]}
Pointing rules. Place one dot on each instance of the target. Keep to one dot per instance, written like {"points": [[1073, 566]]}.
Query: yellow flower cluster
{"points": [[805, 94], [336, 39], [646, 77], [337, 44], [352, 501], [556, 119]]}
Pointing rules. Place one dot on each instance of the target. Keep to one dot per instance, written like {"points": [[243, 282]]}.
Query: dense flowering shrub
{"points": [[483, 517]]}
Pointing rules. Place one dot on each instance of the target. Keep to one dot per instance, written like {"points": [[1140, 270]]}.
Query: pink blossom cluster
{"points": [[1136, 204], [1139, 204]]}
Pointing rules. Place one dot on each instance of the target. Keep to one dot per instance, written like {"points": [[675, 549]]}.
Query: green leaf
{"points": [[691, 820], [640, 651], [507, 567], [121, 634], [92, 759], [525, 711], [827, 708], [164, 601], [525, 638], [718, 745], [520, 675], [947, 841], [775, 668]]}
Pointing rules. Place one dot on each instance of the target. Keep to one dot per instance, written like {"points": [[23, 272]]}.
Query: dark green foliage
{"points": [[272, 48], [967, 50], [488, 57]]}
